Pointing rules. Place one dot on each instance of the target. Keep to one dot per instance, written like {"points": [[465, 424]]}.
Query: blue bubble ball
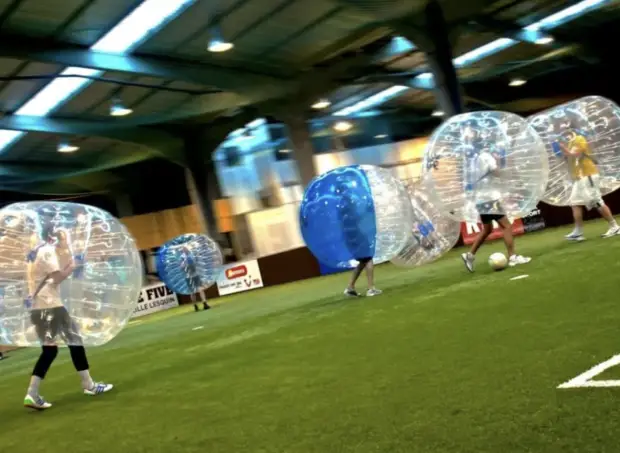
{"points": [[355, 212], [189, 263]]}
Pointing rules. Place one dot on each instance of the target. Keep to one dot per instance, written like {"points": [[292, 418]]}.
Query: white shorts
{"points": [[587, 192]]}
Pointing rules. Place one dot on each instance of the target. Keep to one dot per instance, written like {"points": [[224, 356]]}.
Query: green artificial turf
{"points": [[443, 361]]}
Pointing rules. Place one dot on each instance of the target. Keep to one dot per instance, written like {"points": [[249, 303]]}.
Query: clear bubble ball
{"points": [[70, 274], [433, 232], [355, 212], [486, 163], [582, 140], [189, 263]]}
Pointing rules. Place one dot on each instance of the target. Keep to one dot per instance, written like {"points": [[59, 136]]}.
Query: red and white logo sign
{"points": [[236, 272], [240, 277]]}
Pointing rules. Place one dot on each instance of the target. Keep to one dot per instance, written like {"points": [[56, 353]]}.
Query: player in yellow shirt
{"points": [[586, 191]]}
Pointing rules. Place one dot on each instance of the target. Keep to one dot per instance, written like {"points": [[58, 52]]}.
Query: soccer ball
{"points": [[498, 261]]}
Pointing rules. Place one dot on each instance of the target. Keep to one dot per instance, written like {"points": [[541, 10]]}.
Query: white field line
{"points": [[585, 379]]}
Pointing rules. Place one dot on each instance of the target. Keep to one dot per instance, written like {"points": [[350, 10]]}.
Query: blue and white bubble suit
{"points": [[355, 212], [486, 163], [596, 122], [433, 232], [189, 263], [100, 294]]}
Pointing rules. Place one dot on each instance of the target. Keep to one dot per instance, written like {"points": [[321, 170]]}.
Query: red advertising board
{"points": [[469, 231]]}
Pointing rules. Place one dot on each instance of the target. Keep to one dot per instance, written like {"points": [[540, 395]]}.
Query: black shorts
{"points": [[194, 282], [488, 219], [492, 206], [52, 322]]}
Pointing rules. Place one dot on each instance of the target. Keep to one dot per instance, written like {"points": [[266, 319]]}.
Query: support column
{"points": [[440, 58], [431, 34], [124, 206], [202, 184], [301, 141]]}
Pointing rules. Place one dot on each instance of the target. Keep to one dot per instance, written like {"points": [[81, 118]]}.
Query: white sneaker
{"points": [[98, 388], [612, 231], [468, 259], [36, 402], [574, 236], [373, 292], [515, 260]]}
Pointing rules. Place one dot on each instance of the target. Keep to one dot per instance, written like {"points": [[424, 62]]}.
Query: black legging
{"points": [[49, 324], [47, 357]]}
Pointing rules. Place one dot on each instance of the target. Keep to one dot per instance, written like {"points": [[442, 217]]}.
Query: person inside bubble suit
{"points": [[188, 264], [483, 174], [586, 184], [49, 263]]}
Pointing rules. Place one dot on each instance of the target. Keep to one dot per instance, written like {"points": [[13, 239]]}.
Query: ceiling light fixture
{"points": [[64, 147], [118, 109], [379, 136], [517, 82], [544, 40], [217, 43], [321, 104], [342, 126], [437, 113]]}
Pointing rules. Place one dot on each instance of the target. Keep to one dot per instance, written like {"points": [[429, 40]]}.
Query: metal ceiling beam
{"points": [[554, 55], [100, 182], [469, 75], [159, 142], [298, 94], [515, 31], [66, 54], [18, 174]]}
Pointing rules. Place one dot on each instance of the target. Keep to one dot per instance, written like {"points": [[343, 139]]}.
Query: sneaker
{"points": [[468, 259], [515, 260], [98, 389], [351, 293], [36, 402], [373, 292], [575, 236], [612, 231]]}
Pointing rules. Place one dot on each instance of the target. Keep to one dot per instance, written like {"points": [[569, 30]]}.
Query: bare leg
{"points": [[607, 215], [370, 274], [508, 237], [356, 274], [578, 217], [486, 230]]}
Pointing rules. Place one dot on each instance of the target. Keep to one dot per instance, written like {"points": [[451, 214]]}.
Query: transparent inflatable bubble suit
{"points": [[433, 232], [486, 163], [593, 120], [355, 212], [189, 263], [91, 248]]}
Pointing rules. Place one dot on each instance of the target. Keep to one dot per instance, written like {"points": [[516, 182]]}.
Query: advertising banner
{"points": [[239, 277], [154, 298], [469, 231], [532, 222]]}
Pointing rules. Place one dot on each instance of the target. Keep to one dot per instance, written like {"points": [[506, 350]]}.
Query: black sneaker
{"points": [[351, 293]]}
